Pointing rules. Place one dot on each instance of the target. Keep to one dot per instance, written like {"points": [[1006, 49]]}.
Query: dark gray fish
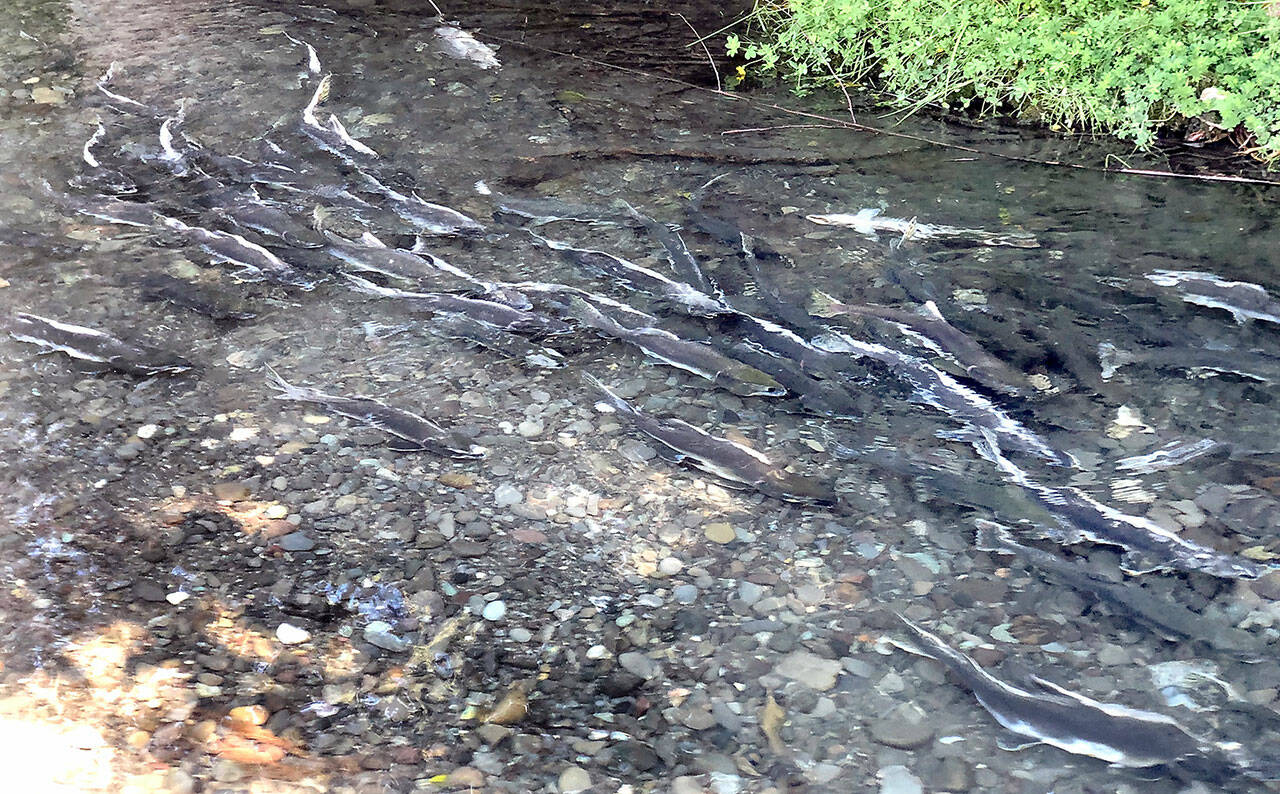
{"points": [[415, 432], [1147, 545], [372, 255], [702, 360], [94, 346], [934, 330], [99, 177], [1049, 714], [1245, 301], [728, 460], [162, 287], [821, 397], [1201, 361], [541, 210], [937, 389], [637, 277], [497, 315], [252, 259], [504, 343], [617, 311], [1159, 612], [263, 218], [247, 171], [427, 218], [104, 208], [331, 136], [681, 258]]}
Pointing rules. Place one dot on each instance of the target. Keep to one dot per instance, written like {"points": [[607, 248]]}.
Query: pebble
{"points": [[1113, 655], [573, 779], [378, 633], [899, 780], [290, 634], [638, 664], [596, 652], [297, 541], [230, 491], [507, 495], [465, 777], [685, 594], [670, 566], [44, 95], [719, 532], [529, 428], [809, 669], [905, 727], [521, 635], [494, 610]]}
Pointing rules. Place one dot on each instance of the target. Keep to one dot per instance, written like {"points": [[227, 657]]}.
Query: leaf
{"points": [[771, 718]]}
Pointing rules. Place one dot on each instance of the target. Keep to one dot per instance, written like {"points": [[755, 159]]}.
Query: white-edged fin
{"points": [[371, 240], [1112, 709], [336, 127], [482, 188], [87, 151], [78, 330], [166, 140], [313, 60], [320, 95]]}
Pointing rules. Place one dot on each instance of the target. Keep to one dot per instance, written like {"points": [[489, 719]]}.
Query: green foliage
{"points": [[1124, 66]]}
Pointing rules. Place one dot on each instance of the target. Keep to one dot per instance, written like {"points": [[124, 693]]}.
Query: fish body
{"points": [[491, 313], [541, 210], [1201, 361], [820, 397], [682, 296], [1175, 453], [728, 460], [939, 390], [111, 210], [414, 431], [161, 287], [938, 334], [426, 217], [371, 255], [1148, 546], [681, 258], [94, 346], [870, 222], [252, 259], [1245, 301], [460, 44], [331, 135], [247, 171], [313, 59], [504, 343], [619, 312], [1169, 618], [273, 222], [1119, 735], [702, 360]]}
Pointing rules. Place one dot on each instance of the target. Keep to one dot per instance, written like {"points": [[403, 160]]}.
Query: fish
{"points": [[252, 259], [100, 178], [541, 210], [935, 388], [727, 460], [428, 218], [94, 346], [682, 260], [331, 136], [1243, 300], [251, 212], [1175, 453], [870, 222], [491, 313], [618, 311], [313, 59], [702, 360], [681, 296], [413, 432], [243, 170], [935, 332], [128, 104], [1202, 361], [161, 287], [498, 291], [1147, 545], [106, 208], [1049, 714], [504, 343], [1157, 611], [370, 254], [460, 44], [816, 396]]}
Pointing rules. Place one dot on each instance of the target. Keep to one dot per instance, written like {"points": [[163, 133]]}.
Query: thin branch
{"points": [[699, 40]]}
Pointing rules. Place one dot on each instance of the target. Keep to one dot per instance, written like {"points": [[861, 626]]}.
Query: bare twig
{"points": [[848, 100], [776, 127], [699, 40]]}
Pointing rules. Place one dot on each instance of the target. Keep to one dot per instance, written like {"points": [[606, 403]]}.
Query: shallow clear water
{"points": [[91, 497]]}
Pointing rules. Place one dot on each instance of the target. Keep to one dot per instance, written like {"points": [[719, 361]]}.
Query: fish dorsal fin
{"points": [[1054, 689], [930, 309], [370, 239]]}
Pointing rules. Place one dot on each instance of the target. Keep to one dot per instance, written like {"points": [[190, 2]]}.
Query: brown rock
{"points": [[230, 491], [465, 777]]}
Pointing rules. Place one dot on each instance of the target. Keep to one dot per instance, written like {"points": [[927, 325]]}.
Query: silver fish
{"points": [[1119, 735], [460, 44], [498, 315], [936, 388], [935, 332], [728, 460], [1175, 453], [870, 222], [372, 255], [428, 218], [504, 343], [542, 210], [331, 136], [94, 346], [413, 431], [702, 360], [618, 311], [680, 295], [681, 258], [252, 259], [1147, 545], [1168, 617], [1245, 301]]}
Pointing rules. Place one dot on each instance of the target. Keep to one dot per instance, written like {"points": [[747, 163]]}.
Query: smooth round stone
{"points": [[529, 428], [597, 652], [290, 634], [573, 779], [507, 495], [670, 566], [686, 594], [719, 532], [521, 635], [494, 610]]}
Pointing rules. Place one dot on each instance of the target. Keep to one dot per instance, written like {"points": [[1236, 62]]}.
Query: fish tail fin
{"points": [[823, 305], [320, 95], [1112, 358], [285, 389], [930, 309], [929, 645], [620, 405], [363, 284], [587, 314], [371, 240], [993, 537]]}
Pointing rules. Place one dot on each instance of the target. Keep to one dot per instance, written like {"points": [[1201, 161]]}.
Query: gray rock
{"points": [[297, 541], [809, 669], [378, 633], [899, 780], [573, 779], [685, 594], [904, 727], [638, 664], [507, 495]]}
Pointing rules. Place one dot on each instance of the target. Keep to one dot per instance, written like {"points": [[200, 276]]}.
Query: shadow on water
{"points": [[182, 547]]}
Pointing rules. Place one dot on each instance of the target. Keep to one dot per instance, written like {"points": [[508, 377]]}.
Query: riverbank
{"points": [[1188, 70]]}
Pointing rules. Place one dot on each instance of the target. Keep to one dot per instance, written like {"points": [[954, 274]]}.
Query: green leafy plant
{"points": [[1129, 67]]}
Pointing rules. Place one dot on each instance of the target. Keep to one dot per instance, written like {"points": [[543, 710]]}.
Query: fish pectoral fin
{"points": [[404, 445], [1136, 563]]}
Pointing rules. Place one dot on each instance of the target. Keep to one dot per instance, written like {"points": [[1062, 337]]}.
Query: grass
{"points": [[1127, 67]]}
